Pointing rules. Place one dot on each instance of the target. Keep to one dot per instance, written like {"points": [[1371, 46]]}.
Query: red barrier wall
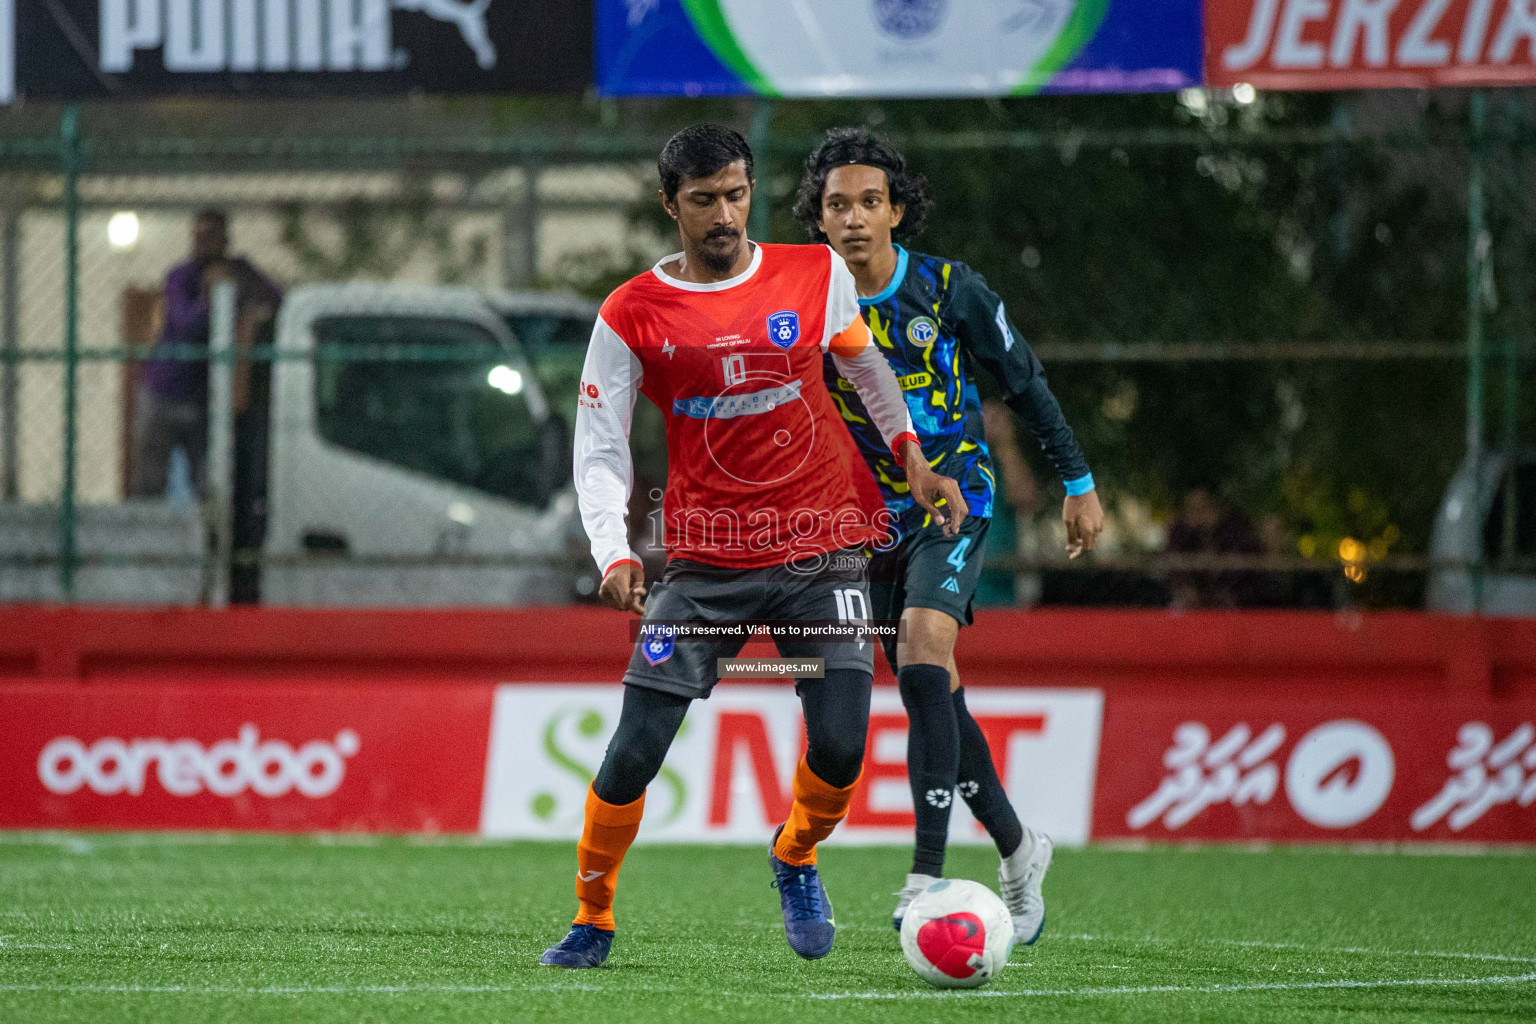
{"points": [[1213, 726], [1102, 648]]}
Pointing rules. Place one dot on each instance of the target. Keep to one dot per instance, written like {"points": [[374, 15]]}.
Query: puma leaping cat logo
{"points": [[468, 15]]}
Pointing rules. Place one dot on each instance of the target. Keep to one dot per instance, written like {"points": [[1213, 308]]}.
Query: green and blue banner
{"points": [[896, 47]]}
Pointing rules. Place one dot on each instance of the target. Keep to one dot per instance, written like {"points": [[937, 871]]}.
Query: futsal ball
{"points": [[957, 934]]}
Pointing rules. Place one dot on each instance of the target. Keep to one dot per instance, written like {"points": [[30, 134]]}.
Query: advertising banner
{"points": [[1160, 761], [1343, 769], [288, 757], [896, 47], [1369, 44], [101, 49], [727, 777]]}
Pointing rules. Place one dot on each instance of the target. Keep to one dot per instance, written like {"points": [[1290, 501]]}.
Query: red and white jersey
{"points": [[760, 466]]}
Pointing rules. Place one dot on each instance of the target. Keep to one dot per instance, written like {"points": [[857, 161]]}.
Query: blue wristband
{"points": [[1082, 485]]}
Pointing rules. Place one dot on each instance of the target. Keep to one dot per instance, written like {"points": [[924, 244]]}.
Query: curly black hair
{"points": [[699, 151], [844, 146]]}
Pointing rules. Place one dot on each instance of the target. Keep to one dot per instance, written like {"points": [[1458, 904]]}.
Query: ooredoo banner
{"points": [[1369, 44], [297, 756]]}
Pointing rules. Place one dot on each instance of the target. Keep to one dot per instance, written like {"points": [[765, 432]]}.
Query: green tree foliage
{"points": [[1122, 220]]}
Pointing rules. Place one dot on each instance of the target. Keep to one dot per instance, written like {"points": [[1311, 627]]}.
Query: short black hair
{"points": [[844, 146], [699, 151], [213, 213]]}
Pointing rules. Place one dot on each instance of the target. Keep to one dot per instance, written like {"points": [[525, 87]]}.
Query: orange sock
{"points": [[816, 811], [605, 837]]}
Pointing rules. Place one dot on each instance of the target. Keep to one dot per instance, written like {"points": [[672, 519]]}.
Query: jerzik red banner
{"points": [[1363, 44]]}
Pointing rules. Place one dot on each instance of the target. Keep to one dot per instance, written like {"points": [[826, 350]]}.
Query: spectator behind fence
{"points": [[1207, 525], [171, 407], [1013, 517]]}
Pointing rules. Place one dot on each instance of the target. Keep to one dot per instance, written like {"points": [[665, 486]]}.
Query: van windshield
{"points": [[1509, 534], [431, 394]]}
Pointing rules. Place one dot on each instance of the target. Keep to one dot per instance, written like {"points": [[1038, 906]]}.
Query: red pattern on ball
{"points": [[949, 943]]}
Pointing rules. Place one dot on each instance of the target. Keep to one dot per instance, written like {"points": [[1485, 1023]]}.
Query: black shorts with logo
{"points": [[834, 588], [928, 570]]}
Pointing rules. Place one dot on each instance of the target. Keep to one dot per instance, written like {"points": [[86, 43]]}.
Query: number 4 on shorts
{"points": [[957, 556]]}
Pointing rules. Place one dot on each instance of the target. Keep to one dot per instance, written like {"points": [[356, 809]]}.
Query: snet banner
{"points": [[1364, 44], [1159, 762], [728, 775]]}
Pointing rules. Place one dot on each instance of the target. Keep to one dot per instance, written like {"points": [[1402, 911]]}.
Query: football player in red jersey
{"points": [[768, 511]]}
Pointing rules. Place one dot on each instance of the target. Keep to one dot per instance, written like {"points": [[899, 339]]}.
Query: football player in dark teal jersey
{"points": [[936, 321]]}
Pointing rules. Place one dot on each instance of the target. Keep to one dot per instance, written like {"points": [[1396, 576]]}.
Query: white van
{"points": [[1493, 515], [365, 479]]}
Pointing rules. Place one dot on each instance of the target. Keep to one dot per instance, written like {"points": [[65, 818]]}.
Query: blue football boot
{"points": [[584, 946], [808, 923]]}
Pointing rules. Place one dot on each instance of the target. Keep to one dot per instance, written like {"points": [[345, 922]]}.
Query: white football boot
{"points": [[1018, 882], [916, 885]]}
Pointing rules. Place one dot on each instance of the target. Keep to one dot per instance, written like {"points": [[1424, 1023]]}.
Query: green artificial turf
{"points": [[186, 928]]}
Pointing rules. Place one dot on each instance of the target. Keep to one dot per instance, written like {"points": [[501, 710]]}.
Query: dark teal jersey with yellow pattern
{"points": [[934, 322]]}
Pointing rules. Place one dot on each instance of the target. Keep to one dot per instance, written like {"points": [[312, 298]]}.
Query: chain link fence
{"points": [[1271, 340]]}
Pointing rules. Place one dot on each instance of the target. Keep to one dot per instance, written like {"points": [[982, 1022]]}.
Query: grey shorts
{"points": [[835, 588], [929, 570]]}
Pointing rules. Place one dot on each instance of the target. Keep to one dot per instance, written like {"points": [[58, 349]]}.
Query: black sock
{"points": [[979, 785], [933, 759]]}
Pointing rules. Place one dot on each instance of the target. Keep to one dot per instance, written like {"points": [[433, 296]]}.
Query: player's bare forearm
{"points": [[623, 588], [939, 495], [1084, 517]]}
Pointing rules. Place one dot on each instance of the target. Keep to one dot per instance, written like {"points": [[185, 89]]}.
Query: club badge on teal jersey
{"points": [[921, 331]]}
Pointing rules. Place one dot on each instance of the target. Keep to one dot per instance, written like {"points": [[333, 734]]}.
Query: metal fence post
{"points": [[520, 233], [10, 341], [1477, 248], [69, 155], [1517, 282], [220, 488]]}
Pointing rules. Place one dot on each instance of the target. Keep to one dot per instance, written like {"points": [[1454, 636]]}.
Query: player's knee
{"points": [[925, 651], [630, 765], [836, 722], [837, 758], [928, 639], [923, 685]]}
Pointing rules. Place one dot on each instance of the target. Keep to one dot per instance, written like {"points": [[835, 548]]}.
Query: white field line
{"points": [[1294, 947], [1128, 990], [1144, 990], [1300, 947], [299, 990]]}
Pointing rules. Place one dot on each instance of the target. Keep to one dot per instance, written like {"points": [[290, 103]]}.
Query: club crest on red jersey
{"points": [[784, 328]]}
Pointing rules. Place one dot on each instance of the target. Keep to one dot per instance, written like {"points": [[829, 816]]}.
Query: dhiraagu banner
{"points": [[810, 48]]}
